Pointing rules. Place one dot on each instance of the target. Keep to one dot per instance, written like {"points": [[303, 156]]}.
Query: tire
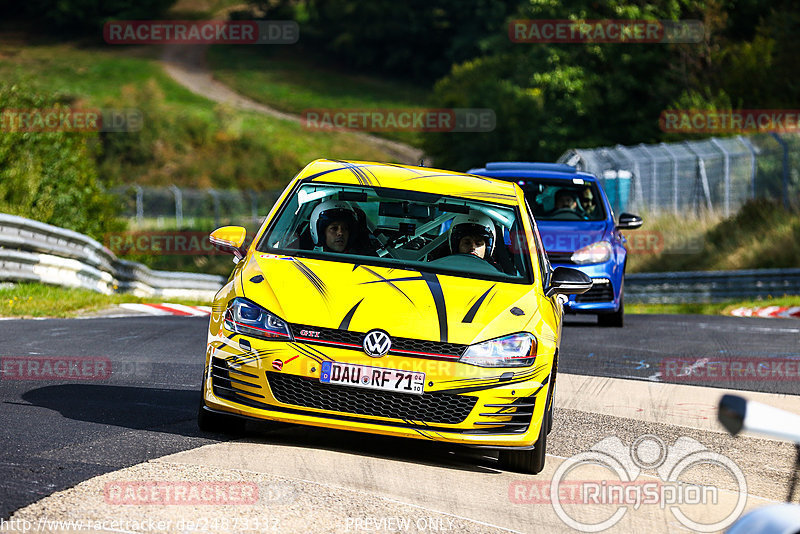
{"points": [[551, 397], [532, 461], [616, 319], [218, 423], [529, 461]]}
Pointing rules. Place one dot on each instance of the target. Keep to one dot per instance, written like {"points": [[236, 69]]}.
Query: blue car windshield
{"points": [[563, 200], [402, 229]]}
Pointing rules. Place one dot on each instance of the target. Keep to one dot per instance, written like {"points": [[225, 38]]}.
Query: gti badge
{"points": [[377, 343], [277, 365]]}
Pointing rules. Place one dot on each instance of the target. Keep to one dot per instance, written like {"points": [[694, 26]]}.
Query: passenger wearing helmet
{"points": [[332, 225], [472, 234]]}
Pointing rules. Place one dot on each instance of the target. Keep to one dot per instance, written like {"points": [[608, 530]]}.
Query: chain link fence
{"points": [[711, 175], [186, 208]]}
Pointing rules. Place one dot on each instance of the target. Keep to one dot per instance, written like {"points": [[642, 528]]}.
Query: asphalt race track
{"points": [[58, 433]]}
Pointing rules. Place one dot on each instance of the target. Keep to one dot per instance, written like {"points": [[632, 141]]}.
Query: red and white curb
{"points": [[769, 311], [168, 309]]}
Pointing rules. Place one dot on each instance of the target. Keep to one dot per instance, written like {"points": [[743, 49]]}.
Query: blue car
{"points": [[578, 230]]}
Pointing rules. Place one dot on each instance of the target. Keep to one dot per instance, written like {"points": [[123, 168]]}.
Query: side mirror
{"points": [[566, 281], [229, 239], [628, 221]]}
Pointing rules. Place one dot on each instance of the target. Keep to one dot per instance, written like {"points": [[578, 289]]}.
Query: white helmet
{"points": [[476, 224], [327, 212]]}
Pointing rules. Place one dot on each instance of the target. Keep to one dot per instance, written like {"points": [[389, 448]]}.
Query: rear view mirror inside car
{"points": [[404, 210]]}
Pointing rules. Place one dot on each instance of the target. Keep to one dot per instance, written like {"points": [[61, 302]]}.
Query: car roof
{"points": [[504, 170], [422, 179]]}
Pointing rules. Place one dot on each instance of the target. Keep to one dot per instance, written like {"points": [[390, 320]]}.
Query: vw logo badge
{"points": [[377, 343]]}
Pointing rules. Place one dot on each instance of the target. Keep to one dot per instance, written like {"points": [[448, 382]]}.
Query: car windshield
{"points": [[562, 200], [402, 229]]}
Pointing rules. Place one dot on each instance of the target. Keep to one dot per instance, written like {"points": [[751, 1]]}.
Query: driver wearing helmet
{"points": [[472, 234], [333, 226]]}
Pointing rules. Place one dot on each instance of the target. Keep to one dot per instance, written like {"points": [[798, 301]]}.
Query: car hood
{"points": [[569, 236], [404, 303]]}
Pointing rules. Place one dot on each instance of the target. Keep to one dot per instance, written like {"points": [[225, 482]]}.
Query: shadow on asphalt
{"points": [[129, 407], [175, 411]]}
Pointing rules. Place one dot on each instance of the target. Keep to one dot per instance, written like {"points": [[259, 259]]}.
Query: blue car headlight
{"points": [[516, 350], [597, 252], [246, 317]]}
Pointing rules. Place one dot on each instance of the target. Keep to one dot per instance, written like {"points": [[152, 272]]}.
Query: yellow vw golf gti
{"points": [[395, 300]]}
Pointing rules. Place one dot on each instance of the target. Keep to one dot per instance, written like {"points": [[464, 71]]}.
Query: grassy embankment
{"points": [[294, 80], [186, 139], [761, 235]]}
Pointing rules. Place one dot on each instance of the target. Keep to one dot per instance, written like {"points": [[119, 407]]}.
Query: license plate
{"points": [[364, 376]]}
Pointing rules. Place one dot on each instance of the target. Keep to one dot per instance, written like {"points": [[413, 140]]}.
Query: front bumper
{"points": [[279, 381], [604, 295]]}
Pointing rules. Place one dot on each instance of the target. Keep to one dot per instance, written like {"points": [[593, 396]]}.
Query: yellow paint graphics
{"points": [[431, 318]]}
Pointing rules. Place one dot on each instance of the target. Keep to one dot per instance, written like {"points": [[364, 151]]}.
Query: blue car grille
{"points": [[560, 258], [600, 292]]}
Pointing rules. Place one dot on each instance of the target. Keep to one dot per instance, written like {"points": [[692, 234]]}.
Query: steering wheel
{"points": [[565, 211], [472, 256]]}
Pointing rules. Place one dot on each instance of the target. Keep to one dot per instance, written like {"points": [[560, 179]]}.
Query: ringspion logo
{"points": [[596, 504]]}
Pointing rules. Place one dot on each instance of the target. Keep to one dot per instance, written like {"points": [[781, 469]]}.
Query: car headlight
{"points": [[250, 319], [595, 253], [516, 350]]}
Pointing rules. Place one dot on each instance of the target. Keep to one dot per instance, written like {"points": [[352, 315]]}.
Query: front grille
{"points": [[353, 340], [519, 411], [444, 408], [600, 292], [560, 257]]}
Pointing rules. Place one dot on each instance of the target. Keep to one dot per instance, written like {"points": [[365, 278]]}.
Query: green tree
{"points": [[415, 38], [82, 16], [548, 97], [51, 176]]}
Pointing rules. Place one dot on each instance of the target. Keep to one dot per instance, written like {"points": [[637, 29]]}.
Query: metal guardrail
{"points": [[710, 286], [38, 252]]}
